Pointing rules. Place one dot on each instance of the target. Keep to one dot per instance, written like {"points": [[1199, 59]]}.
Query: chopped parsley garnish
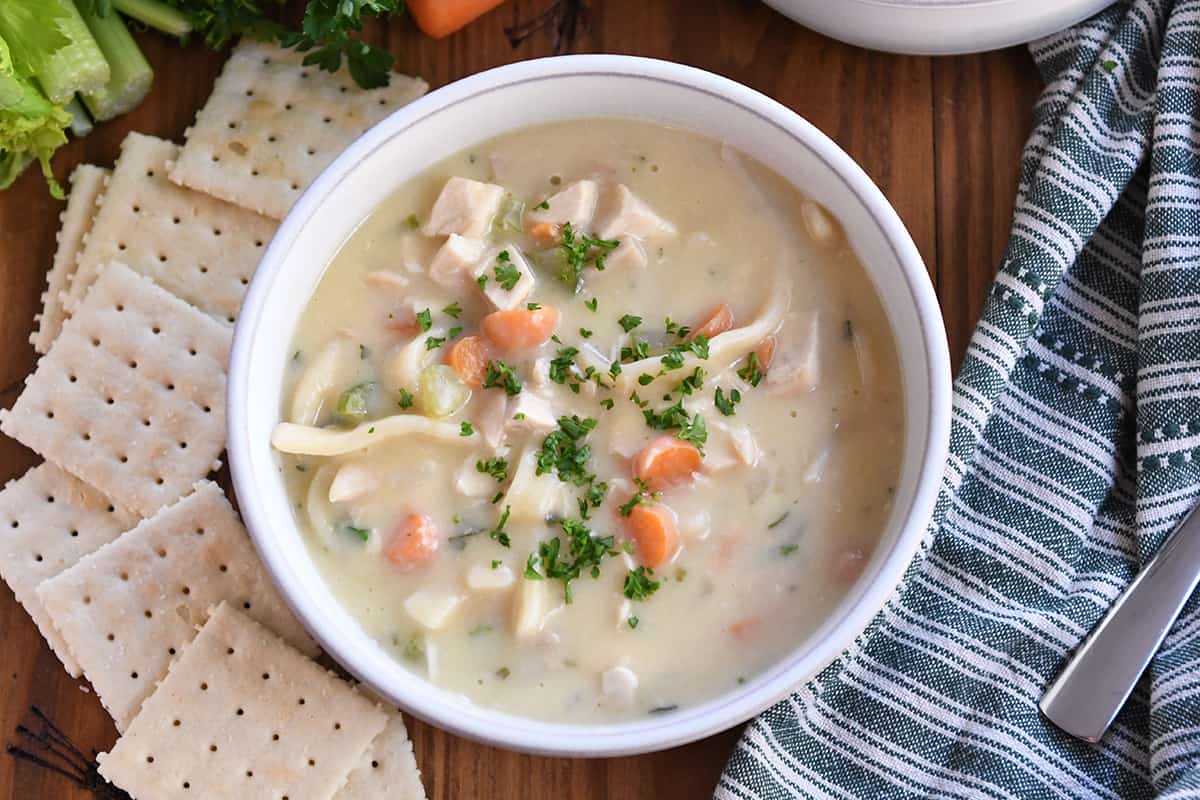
{"points": [[496, 563], [406, 399], [501, 375], [633, 622], [452, 310], [751, 372], [361, 533], [628, 322], [506, 273], [498, 534], [848, 329], [562, 453], [543, 206], [639, 402], [636, 500], [585, 551], [693, 382], [412, 221], [533, 306], [425, 319], [482, 281], [479, 630], [592, 304], [787, 549], [607, 403], [453, 332], [576, 250], [585, 333], [645, 379], [640, 584], [503, 673], [466, 429], [638, 350], [779, 520], [363, 352], [561, 364], [496, 467], [680, 331], [614, 368], [725, 404], [434, 342], [695, 431]]}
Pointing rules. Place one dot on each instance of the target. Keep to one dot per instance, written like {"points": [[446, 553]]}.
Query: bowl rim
{"points": [[759, 692]]}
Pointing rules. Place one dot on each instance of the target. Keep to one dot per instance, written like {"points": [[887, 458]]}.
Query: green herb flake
{"points": [[501, 375], [787, 549], [454, 332], [533, 306], [434, 342], [496, 563], [406, 399], [466, 429], [482, 281], [503, 673], [751, 372], [496, 467], [592, 304], [628, 322], [498, 534], [607, 404], [506, 273], [561, 364], [632, 622], [363, 352], [412, 222], [640, 583], [425, 319], [726, 403], [452, 310], [479, 630], [543, 206], [585, 333], [778, 520], [362, 533]]}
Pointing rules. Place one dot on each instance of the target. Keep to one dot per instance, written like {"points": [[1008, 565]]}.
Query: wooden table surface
{"points": [[941, 137]]}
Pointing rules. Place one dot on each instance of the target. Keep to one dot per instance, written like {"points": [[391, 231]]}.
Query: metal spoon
{"points": [[1096, 682]]}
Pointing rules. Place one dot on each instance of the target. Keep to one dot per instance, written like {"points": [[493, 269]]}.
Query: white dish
{"points": [[506, 99], [937, 27]]}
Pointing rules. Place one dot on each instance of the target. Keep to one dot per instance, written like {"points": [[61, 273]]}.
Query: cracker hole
{"points": [[275, 737], [374, 765], [75, 534], [192, 351], [204, 687], [120, 245], [72, 378], [295, 186], [272, 138], [149, 759], [258, 243], [156, 330], [87, 600], [287, 106], [149, 173], [170, 387], [224, 568], [208, 409], [300, 701], [216, 158], [267, 677], [303, 73], [311, 151], [382, 102], [253, 173], [110, 401], [49, 414], [229, 651], [241, 712], [186, 590], [312, 762], [337, 726], [38, 557], [216, 231], [203, 270], [183, 445], [87, 437], [137, 209], [133, 365], [146, 423], [15, 524], [162, 552], [245, 281], [176, 723], [120, 307], [342, 90], [176, 220], [249, 773], [95, 342], [187, 785], [232, 125], [111, 638], [124, 576], [162, 258], [124, 459], [133, 675], [327, 120], [246, 605], [212, 748], [249, 93], [159, 481], [231, 319], [199, 531], [170, 651], [148, 614]]}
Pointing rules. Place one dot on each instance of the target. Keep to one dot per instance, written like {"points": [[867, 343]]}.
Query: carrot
{"points": [[520, 328], [438, 18], [544, 231], [719, 320], [415, 542], [469, 358], [653, 528], [766, 352], [665, 462]]}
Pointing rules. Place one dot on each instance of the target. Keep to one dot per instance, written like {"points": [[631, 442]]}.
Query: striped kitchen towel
{"points": [[1075, 449]]}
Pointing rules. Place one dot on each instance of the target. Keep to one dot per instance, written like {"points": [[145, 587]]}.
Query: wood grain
{"points": [[941, 138]]}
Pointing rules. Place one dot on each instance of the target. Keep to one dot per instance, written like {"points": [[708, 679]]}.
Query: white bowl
{"points": [[510, 98]]}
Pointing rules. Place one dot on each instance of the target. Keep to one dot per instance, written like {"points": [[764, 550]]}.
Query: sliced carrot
{"points": [[766, 352], [665, 462], [718, 320], [415, 543], [654, 530], [544, 231], [468, 357], [520, 328], [438, 18]]}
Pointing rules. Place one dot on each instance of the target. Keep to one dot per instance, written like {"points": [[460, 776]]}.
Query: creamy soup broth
{"points": [[749, 526]]}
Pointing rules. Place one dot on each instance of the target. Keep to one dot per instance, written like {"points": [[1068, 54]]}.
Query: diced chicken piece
{"points": [[470, 482], [627, 429], [695, 526], [729, 446], [539, 373], [481, 577], [505, 257], [431, 609], [465, 207], [456, 261], [352, 482], [622, 213], [532, 497], [530, 607], [797, 365], [818, 222], [530, 412], [575, 204], [492, 418], [403, 316], [628, 256], [619, 685]]}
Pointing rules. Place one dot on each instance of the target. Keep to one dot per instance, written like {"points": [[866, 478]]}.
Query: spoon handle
{"points": [[1096, 682]]}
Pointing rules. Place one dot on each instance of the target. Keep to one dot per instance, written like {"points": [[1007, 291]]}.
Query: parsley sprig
{"points": [[584, 551], [578, 249]]}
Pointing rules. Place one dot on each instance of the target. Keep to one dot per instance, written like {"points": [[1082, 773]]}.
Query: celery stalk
{"points": [[31, 127], [157, 15], [81, 123], [49, 40], [131, 73]]}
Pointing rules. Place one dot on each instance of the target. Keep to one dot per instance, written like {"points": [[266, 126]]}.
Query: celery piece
{"points": [[30, 125], [157, 15], [131, 73], [353, 404], [49, 40]]}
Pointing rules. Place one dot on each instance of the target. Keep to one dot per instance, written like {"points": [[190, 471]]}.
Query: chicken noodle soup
{"points": [[593, 421]]}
